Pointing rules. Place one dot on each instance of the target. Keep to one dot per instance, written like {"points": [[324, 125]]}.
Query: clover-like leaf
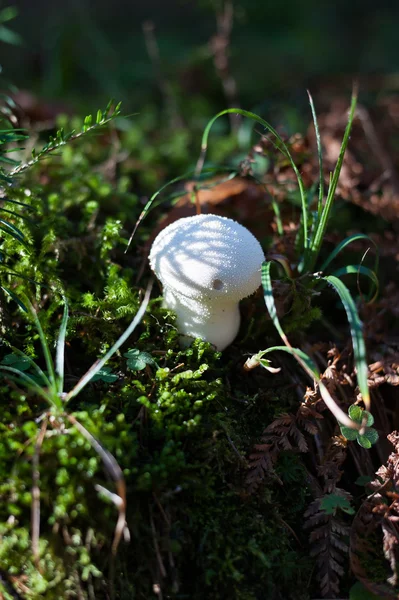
{"points": [[368, 438], [350, 434], [370, 435], [370, 418], [17, 362], [355, 412], [105, 375], [138, 360], [330, 503]]}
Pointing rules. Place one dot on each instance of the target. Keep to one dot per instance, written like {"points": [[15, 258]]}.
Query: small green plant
{"points": [[49, 386], [138, 360], [366, 436], [313, 226], [312, 230]]}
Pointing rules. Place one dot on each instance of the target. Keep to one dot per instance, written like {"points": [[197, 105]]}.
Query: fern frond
{"points": [[61, 138]]}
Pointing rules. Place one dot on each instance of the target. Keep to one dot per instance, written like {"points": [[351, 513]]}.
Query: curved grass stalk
{"points": [[100, 363], [360, 270], [342, 245], [281, 146], [149, 204], [302, 358]]}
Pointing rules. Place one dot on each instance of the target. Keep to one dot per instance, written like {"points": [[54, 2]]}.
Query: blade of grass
{"points": [[189, 175], [113, 469], [356, 328], [320, 156], [34, 366], [46, 350], [310, 368], [20, 377], [60, 351], [303, 359], [14, 297], [344, 244], [316, 242], [100, 363], [269, 299], [360, 270], [281, 146]]}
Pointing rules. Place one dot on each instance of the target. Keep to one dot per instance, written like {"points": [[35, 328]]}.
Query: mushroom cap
{"points": [[208, 257]]}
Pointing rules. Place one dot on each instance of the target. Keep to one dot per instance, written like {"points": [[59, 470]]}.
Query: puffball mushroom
{"points": [[207, 264]]}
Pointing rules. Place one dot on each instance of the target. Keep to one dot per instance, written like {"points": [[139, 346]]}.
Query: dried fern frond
{"points": [[286, 432]]}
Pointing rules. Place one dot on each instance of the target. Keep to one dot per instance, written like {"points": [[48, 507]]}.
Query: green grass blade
{"points": [[352, 238], [60, 350], [34, 366], [356, 328], [360, 270], [100, 363], [18, 216], [320, 231], [23, 378], [320, 156], [14, 297], [149, 204], [280, 146], [269, 298], [26, 206], [46, 350]]}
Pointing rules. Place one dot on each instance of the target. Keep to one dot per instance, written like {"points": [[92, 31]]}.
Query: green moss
{"points": [[180, 428]]}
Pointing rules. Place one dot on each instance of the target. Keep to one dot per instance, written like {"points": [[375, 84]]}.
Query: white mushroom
{"points": [[207, 264]]}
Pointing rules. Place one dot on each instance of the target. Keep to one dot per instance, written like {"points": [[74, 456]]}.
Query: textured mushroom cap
{"points": [[208, 257]]}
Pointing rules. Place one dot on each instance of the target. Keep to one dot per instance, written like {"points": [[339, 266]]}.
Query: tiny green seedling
{"points": [[367, 436], [137, 360]]}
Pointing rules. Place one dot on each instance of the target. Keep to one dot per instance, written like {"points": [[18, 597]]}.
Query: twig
{"points": [[375, 144], [219, 45], [164, 85], [35, 511]]}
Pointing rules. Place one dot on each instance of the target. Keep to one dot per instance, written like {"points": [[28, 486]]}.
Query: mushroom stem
{"points": [[216, 322]]}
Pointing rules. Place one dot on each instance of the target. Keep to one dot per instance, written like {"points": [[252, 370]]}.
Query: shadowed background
{"points": [[81, 51]]}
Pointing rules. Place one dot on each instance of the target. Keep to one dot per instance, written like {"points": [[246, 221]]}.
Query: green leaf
{"points": [[14, 297], [370, 418], [348, 433], [20, 363], [363, 441], [363, 480], [361, 270], [355, 412], [105, 375], [138, 360], [368, 438], [344, 244], [60, 351], [333, 502], [9, 37], [269, 298], [8, 13], [320, 156]]}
